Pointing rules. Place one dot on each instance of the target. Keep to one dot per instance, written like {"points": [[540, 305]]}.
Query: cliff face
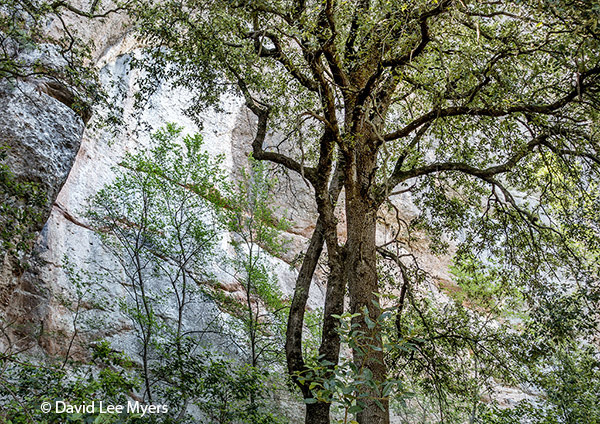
{"points": [[48, 143], [70, 160], [41, 136]]}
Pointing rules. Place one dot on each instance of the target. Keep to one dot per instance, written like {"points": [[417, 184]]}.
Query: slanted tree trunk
{"points": [[329, 349], [317, 413]]}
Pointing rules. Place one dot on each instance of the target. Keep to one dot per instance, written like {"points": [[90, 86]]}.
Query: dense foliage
{"points": [[25, 385], [483, 114]]}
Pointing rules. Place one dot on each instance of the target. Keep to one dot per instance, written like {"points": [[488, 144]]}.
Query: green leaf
{"points": [[354, 409]]}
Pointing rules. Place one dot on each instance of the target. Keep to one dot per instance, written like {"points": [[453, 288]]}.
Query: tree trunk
{"points": [[361, 268], [317, 413], [293, 340]]}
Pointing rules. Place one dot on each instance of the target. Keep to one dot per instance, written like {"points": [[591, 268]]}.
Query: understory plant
{"points": [[162, 219], [26, 385]]}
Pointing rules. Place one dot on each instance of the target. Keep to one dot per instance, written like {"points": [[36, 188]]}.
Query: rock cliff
{"points": [[48, 143]]}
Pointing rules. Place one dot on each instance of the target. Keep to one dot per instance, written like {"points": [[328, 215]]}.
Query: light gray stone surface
{"points": [[42, 136]]}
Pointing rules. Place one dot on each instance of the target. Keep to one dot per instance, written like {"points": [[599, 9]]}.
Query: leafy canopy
{"points": [[485, 114]]}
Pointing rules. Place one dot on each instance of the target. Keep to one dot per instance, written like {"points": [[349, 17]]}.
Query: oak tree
{"points": [[484, 112]]}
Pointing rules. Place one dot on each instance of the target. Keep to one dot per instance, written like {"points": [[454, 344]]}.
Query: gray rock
{"points": [[42, 135]]}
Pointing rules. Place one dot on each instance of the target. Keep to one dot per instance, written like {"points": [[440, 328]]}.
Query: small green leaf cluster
{"points": [[220, 388], [570, 387], [350, 383], [256, 228], [58, 57], [25, 385], [484, 286]]}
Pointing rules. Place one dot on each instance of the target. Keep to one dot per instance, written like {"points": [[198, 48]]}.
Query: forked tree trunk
{"points": [[325, 232]]}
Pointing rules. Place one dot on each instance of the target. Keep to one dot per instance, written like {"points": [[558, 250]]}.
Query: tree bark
{"points": [[325, 232], [363, 285], [293, 340], [317, 413]]}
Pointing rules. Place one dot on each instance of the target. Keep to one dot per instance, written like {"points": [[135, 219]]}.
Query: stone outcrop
{"points": [[42, 136]]}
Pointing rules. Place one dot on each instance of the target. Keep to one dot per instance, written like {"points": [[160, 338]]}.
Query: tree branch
{"points": [[293, 345], [276, 53], [398, 176], [495, 112], [262, 113], [424, 39]]}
